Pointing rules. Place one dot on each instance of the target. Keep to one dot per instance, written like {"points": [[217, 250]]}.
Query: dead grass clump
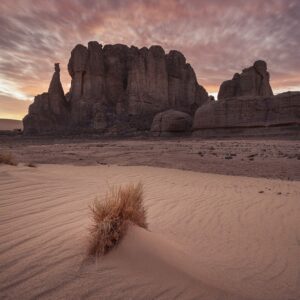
{"points": [[31, 165], [121, 206], [7, 159]]}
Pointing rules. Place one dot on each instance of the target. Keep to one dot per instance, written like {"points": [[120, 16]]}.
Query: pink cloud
{"points": [[217, 37]]}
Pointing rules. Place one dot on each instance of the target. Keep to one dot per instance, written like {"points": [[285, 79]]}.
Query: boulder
{"points": [[246, 112], [116, 84], [171, 121], [253, 81]]}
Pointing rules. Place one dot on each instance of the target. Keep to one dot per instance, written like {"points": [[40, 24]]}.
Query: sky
{"points": [[217, 37]]}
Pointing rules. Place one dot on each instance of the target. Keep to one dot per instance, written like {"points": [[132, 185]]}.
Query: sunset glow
{"points": [[218, 38]]}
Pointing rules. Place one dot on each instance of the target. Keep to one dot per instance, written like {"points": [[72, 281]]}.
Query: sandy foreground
{"points": [[210, 236]]}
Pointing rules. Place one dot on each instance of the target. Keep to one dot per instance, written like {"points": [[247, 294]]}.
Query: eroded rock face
{"points": [[50, 111], [130, 85], [282, 109], [253, 81], [171, 121], [116, 87]]}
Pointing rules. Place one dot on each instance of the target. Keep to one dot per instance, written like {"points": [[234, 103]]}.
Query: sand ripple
{"points": [[211, 236]]}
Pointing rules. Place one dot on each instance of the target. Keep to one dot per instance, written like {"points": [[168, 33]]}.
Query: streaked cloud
{"points": [[218, 37]]}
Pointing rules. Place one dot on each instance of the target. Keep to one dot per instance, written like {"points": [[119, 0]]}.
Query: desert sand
{"points": [[210, 236], [258, 157]]}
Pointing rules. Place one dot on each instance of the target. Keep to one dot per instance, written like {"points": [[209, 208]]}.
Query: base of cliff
{"points": [[292, 131]]}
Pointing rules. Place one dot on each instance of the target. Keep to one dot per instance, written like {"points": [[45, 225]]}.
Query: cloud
{"points": [[12, 108], [218, 37]]}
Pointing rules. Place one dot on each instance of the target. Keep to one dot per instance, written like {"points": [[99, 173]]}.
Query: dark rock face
{"points": [[49, 112], [117, 84], [171, 121], [253, 81], [247, 102], [282, 109], [117, 87]]}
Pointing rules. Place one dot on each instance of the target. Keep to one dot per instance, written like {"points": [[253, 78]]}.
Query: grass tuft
{"points": [[31, 165], [7, 159], [111, 216]]}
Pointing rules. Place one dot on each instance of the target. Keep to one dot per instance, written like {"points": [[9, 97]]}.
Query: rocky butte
{"points": [[115, 89], [246, 105], [253, 81], [120, 90]]}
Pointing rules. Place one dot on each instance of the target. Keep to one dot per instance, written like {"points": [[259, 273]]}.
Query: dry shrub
{"points": [[7, 159], [111, 216], [31, 165]]}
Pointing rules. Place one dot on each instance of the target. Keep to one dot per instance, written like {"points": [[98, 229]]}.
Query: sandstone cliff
{"points": [[50, 111], [246, 112], [253, 81], [116, 87]]}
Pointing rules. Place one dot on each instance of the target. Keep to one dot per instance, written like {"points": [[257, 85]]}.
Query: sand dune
{"points": [[210, 236]]}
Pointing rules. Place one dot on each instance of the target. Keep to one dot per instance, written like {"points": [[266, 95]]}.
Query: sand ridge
{"points": [[210, 236]]}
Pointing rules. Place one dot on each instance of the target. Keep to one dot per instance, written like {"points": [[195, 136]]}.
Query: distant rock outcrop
{"points": [[116, 87], [253, 81], [171, 122], [246, 112], [10, 125]]}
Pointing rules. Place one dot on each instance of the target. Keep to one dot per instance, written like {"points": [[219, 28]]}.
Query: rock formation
{"points": [[249, 112], [253, 81], [116, 87], [49, 112], [246, 102], [171, 122]]}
